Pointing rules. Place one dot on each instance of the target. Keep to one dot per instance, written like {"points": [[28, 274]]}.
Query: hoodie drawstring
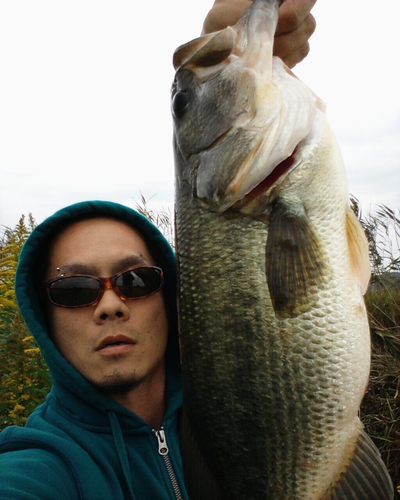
{"points": [[121, 450]]}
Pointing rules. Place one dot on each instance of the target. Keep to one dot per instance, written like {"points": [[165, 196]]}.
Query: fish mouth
{"points": [[279, 171], [250, 201], [255, 201]]}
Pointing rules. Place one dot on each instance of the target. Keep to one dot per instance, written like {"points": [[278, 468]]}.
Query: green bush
{"points": [[24, 376]]}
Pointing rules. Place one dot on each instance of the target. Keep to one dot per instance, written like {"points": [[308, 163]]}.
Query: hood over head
{"points": [[28, 295]]}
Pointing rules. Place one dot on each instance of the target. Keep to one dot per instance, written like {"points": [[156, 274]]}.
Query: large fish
{"points": [[272, 270]]}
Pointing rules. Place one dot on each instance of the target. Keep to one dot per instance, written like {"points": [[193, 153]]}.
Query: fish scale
{"points": [[272, 268], [291, 375]]}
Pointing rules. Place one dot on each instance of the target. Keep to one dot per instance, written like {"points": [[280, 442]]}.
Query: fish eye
{"points": [[180, 101]]}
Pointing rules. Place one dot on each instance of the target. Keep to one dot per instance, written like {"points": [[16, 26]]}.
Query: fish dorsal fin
{"points": [[366, 477], [358, 250], [208, 50]]}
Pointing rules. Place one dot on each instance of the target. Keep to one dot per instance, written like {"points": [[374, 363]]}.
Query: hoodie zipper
{"points": [[164, 451]]}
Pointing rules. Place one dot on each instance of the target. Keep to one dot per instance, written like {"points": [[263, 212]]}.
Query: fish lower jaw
{"points": [[277, 173], [254, 202]]}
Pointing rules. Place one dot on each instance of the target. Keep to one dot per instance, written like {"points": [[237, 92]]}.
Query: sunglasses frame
{"points": [[106, 283]]}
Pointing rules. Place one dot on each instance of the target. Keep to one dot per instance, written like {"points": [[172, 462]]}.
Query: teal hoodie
{"points": [[80, 444]]}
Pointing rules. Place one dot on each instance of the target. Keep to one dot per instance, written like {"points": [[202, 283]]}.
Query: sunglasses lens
{"points": [[74, 291], [139, 282]]}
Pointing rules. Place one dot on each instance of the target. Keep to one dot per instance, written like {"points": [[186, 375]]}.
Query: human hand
{"points": [[295, 25], [224, 13]]}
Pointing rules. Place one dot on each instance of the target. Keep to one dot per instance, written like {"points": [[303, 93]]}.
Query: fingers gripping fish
{"points": [[272, 270]]}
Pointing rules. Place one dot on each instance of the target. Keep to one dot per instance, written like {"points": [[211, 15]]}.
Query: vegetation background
{"points": [[25, 379]]}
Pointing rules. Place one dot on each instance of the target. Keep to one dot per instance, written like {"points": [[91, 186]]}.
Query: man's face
{"points": [[116, 344]]}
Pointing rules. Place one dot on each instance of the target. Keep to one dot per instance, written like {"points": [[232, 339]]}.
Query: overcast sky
{"points": [[84, 98]]}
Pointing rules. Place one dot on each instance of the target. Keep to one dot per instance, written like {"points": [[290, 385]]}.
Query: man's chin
{"points": [[116, 385]]}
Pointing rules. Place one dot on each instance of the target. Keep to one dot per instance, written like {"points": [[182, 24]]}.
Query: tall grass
{"points": [[163, 219], [380, 409]]}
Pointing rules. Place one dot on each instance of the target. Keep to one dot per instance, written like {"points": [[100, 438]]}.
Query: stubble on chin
{"points": [[117, 385]]}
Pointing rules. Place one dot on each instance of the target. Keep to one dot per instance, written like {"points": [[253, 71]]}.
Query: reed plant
{"points": [[380, 409]]}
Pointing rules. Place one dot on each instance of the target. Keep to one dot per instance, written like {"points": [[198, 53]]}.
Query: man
{"points": [[96, 285], [113, 357]]}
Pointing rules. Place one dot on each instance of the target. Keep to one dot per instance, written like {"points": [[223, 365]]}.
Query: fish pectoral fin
{"points": [[296, 264], [199, 481], [366, 477], [208, 50], [358, 250]]}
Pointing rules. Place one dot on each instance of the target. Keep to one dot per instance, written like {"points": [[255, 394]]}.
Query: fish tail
{"points": [[366, 477]]}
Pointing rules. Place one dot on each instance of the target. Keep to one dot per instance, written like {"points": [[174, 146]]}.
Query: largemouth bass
{"points": [[273, 266]]}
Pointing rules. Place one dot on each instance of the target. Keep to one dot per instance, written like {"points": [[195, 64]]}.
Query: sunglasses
{"points": [[80, 290]]}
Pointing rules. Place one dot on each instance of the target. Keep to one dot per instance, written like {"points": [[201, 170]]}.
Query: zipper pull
{"points": [[162, 442]]}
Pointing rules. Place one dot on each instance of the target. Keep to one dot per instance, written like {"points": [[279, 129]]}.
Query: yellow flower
{"points": [[18, 408], [34, 350]]}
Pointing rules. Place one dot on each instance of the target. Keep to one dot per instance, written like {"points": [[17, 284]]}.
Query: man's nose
{"points": [[111, 307]]}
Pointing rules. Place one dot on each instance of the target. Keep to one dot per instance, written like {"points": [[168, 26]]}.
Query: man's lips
{"points": [[115, 344]]}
